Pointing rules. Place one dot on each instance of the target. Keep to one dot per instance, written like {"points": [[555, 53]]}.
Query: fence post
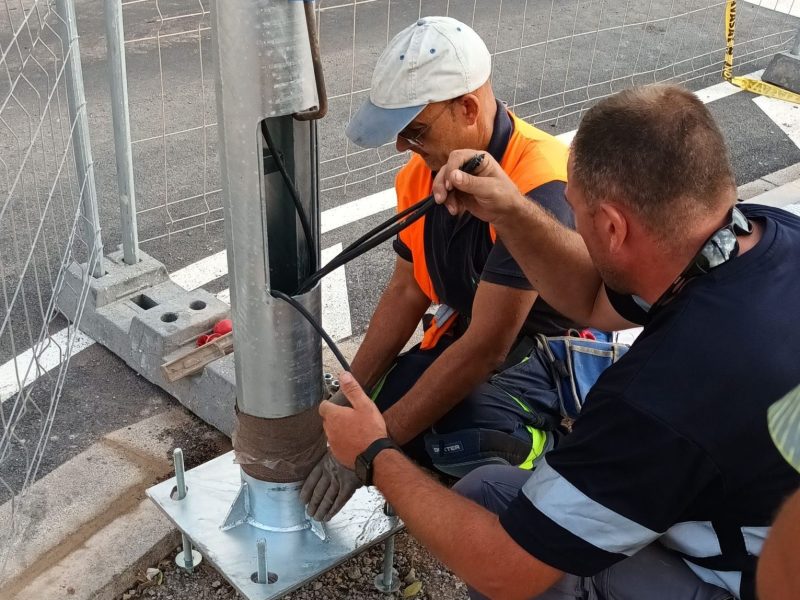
{"points": [[82, 147], [118, 78]]}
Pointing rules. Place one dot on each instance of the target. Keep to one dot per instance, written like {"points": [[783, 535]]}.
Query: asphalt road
{"points": [[101, 394]]}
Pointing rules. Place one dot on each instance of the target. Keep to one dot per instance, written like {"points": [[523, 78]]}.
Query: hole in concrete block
{"points": [[169, 317], [197, 305], [271, 577], [144, 302]]}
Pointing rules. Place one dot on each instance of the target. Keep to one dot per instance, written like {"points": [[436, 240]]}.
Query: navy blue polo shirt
{"points": [[460, 252], [672, 443]]}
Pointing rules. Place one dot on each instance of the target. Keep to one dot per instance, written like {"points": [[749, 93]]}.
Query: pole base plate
{"points": [[293, 558]]}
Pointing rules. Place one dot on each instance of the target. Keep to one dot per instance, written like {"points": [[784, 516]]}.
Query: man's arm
{"points": [[393, 323], [464, 536], [553, 257], [329, 486], [498, 313]]}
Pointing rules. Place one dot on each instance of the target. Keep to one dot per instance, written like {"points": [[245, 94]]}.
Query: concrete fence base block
{"points": [[784, 71], [142, 316]]}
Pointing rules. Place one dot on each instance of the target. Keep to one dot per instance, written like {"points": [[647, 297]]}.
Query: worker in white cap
{"points": [[445, 401]]}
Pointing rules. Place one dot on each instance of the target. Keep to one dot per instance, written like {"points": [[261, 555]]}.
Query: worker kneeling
{"points": [[669, 482], [449, 401]]}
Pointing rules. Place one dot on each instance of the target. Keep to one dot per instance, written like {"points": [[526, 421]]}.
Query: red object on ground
{"points": [[220, 328]]}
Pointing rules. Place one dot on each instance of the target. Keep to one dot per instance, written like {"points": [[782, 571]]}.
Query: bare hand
{"points": [[488, 193], [351, 430]]}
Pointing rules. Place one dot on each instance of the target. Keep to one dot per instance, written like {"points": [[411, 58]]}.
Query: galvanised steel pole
{"points": [[118, 79], [265, 77], [82, 148]]}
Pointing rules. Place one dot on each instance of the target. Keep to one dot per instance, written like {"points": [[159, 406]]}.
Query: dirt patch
{"points": [[199, 441]]}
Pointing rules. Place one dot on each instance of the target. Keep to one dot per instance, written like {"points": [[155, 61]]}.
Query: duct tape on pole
{"points": [[788, 84], [82, 149], [118, 81]]}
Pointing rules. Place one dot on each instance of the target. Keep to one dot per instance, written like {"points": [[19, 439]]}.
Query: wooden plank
{"points": [[196, 359]]}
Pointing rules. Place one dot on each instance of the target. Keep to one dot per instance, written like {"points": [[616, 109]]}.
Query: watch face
{"points": [[362, 470]]}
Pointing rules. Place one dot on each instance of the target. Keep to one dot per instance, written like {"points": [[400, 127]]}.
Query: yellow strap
{"points": [[539, 438], [748, 84]]}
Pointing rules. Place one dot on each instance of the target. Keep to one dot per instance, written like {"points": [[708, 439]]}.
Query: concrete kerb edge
{"points": [[96, 535], [751, 191]]}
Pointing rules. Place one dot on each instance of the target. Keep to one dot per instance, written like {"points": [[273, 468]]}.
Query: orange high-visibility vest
{"points": [[532, 158]]}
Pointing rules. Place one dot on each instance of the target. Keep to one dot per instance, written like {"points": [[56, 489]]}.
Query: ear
{"points": [[613, 226], [467, 108]]}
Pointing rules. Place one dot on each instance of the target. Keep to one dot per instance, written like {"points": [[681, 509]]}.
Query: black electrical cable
{"points": [[369, 240], [310, 318], [381, 233], [354, 251], [287, 180], [391, 221]]}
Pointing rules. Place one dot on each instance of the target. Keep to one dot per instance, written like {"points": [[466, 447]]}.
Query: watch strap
{"points": [[367, 457]]}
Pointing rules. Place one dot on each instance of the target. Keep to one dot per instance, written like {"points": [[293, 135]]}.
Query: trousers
{"points": [[489, 426], [654, 573]]}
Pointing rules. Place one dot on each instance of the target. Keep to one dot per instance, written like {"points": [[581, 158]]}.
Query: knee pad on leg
{"points": [[460, 452]]}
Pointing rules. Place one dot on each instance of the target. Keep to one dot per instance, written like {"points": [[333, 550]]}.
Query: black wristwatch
{"points": [[365, 459]]}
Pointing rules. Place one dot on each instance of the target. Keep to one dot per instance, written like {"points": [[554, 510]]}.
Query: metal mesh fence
{"points": [[552, 60], [173, 115], [47, 220]]}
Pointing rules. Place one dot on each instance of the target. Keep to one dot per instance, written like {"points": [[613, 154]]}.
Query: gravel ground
{"points": [[424, 578]]}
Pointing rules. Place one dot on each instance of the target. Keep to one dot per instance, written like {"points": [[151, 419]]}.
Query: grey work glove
{"points": [[330, 484], [328, 488], [339, 399]]}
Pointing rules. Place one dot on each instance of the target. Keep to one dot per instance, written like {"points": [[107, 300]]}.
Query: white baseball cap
{"points": [[435, 59]]}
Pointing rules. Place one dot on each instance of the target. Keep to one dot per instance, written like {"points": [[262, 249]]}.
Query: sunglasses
{"points": [[721, 247], [414, 133]]}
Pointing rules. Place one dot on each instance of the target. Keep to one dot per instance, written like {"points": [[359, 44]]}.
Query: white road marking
{"points": [[206, 270], [39, 360], [333, 218], [786, 115], [787, 7], [723, 89], [567, 136], [335, 301], [202, 272], [225, 296]]}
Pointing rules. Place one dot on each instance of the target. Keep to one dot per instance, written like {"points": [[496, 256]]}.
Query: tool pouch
{"points": [[575, 364]]}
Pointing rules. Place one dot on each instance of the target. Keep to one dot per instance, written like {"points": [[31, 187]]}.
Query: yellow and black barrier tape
{"points": [[748, 84]]}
